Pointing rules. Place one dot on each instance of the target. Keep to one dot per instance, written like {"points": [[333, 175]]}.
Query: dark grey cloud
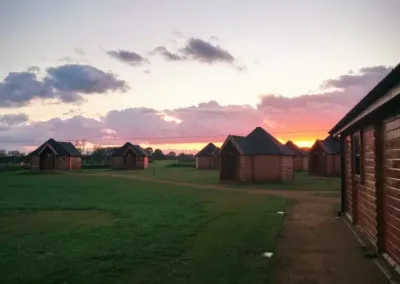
{"points": [[366, 77], [206, 52], [167, 55], [13, 119], [129, 57], [65, 83], [83, 79]]}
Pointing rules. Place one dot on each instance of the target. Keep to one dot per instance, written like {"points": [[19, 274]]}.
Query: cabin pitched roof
{"points": [[61, 148], [208, 151], [260, 142], [295, 149], [332, 145], [329, 145], [136, 148]]}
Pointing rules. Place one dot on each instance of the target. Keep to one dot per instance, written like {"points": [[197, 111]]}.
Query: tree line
{"points": [[98, 154]]}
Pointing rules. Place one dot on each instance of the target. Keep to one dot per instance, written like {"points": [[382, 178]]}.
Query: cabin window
{"points": [[63, 159], [356, 155]]}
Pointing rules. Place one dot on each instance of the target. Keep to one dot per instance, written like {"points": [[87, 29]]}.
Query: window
{"points": [[356, 155]]}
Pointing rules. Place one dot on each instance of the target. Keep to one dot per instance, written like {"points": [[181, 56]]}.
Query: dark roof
{"points": [[295, 149], [260, 142], [61, 148], [379, 90], [329, 145], [136, 148], [209, 150]]}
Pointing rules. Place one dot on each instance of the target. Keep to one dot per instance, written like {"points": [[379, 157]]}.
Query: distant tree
{"points": [[149, 150], [158, 155], [171, 155], [182, 157], [14, 153], [81, 145], [98, 154], [3, 153]]}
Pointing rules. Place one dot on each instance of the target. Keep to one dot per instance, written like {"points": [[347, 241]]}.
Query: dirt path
{"points": [[316, 247]]}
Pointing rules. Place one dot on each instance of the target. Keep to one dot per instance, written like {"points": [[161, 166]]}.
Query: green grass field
{"points": [[71, 228], [192, 175]]}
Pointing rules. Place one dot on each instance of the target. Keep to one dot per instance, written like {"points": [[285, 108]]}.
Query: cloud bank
{"points": [[208, 121], [66, 83]]}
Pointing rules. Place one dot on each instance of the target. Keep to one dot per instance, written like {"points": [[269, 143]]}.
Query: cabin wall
{"points": [[317, 161], [305, 163], [372, 198], [142, 163], [267, 168], [35, 163], [245, 170], [366, 203], [61, 163], [117, 162], [76, 163], [391, 186], [336, 167], [298, 163], [287, 170], [230, 160], [204, 162]]}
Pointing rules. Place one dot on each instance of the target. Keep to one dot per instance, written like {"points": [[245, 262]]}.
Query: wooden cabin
{"points": [[129, 157], [55, 156], [370, 142], [300, 162], [257, 157], [324, 158], [208, 157]]}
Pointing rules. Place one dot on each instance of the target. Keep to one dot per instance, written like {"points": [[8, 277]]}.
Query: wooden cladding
{"points": [[257, 168], [120, 163], [366, 188], [372, 183], [58, 163], [207, 162], [391, 188]]}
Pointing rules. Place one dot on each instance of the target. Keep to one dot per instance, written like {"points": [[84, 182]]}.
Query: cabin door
{"points": [[232, 165], [47, 160], [130, 159]]}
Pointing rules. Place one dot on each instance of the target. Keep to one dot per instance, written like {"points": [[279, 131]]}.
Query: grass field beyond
{"points": [[159, 171], [66, 228]]}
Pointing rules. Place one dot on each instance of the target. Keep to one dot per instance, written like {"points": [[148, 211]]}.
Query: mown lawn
{"points": [[66, 228], [159, 171]]}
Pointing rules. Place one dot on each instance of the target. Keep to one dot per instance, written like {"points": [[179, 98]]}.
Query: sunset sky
{"points": [[179, 74]]}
